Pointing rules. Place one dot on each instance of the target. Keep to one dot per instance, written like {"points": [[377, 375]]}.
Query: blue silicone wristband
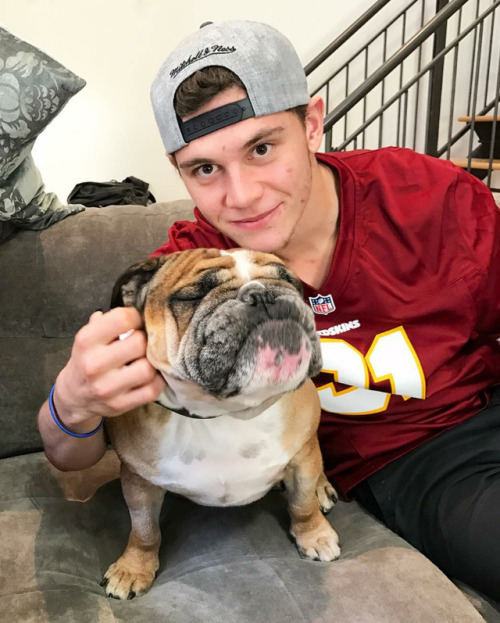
{"points": [[56, 419]]}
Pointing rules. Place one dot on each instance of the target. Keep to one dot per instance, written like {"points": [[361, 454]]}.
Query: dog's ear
{"points": [[132, 286]]}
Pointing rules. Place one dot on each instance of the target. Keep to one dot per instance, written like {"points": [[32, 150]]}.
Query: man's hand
{"points": [[105, 376]]}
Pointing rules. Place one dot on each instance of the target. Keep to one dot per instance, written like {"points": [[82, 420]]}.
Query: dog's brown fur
{"points": [[141, 436]]}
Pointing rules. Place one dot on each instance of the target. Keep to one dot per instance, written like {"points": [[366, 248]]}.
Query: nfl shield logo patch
{"points": [[322, 304]]}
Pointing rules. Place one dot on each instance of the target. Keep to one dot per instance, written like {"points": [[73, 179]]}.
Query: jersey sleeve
{"points": [[479, 221], [181, 236], [193, 235]]}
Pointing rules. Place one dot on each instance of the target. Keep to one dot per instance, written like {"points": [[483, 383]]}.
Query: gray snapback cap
{"points": [[262, 58]]}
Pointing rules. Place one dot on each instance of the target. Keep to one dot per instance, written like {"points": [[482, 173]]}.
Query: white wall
{"points": [[107, 131]]}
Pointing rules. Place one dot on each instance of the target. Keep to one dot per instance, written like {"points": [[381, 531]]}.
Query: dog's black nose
{"points": [[256, 294]]}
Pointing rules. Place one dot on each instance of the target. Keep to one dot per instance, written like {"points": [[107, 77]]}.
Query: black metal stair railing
{"points": [[454, 62], [355, 71]]}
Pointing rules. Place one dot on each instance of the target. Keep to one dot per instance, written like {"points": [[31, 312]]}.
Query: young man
{"points": [[399, 255]]}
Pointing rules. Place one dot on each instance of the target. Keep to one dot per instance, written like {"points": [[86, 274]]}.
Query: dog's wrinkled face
{"points": [[231, 323]]}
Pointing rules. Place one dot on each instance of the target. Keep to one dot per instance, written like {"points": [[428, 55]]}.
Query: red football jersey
{"points": [[409, 315]]}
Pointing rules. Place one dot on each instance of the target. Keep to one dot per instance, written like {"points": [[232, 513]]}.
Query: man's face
{"points": [[251, 180]]}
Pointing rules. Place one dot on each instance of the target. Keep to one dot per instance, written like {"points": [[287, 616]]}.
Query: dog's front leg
{"points": [[315, 537], [133, 573]]}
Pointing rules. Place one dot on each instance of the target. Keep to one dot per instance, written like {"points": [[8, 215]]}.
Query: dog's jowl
{"points": [[234, 340]]}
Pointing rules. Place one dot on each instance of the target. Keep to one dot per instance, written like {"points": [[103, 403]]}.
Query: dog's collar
{"points": [[181, 410], [186, 413]]}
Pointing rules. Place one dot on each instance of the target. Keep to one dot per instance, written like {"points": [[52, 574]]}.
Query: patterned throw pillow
{"points": [[33, 90]]}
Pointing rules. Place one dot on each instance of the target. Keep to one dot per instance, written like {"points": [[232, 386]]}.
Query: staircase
{"points": [[427, 77], [489, 142]]}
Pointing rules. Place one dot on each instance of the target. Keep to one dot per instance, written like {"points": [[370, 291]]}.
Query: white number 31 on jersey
{"points": [[391, 356]]}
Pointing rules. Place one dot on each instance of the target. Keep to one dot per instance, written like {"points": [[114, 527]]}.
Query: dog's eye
{"points": [[186, 295], [207, 281], [286, 275]]}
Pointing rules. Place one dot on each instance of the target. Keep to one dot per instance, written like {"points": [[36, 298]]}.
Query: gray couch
{"points": [[60, 531]]}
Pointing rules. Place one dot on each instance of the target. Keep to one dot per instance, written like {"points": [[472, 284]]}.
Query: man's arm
{"points": [[104, 377], [70, 453]]}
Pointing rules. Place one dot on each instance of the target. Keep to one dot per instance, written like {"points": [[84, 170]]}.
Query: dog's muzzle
{"points": [[266, 335]]}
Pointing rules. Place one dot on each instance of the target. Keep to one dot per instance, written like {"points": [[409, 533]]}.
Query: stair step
{"points": [[476, 163], [479, 118]]}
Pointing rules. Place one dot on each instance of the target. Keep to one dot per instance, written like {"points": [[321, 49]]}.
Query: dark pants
{"points": [[444, 499]]}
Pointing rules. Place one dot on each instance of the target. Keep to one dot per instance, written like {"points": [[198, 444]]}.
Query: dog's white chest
{"points": [[222, 461]]}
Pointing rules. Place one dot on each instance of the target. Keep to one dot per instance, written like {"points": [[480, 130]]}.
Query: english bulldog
{"points": [[234, 340]]}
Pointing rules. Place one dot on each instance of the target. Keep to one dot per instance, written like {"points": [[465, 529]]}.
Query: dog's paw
{"points": [[319, 544], [326, 494], [123, 583]]}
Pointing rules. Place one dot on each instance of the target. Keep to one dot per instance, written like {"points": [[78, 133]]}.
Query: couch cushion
{"points": [[33, 90], [104, 243], [234, 564], [50, 283]]}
